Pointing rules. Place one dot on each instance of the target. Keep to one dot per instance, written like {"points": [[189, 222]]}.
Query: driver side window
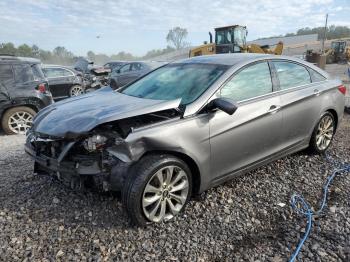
{"points": [[252, 81]]}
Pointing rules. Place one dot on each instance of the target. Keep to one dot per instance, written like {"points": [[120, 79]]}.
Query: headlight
{"points": [[94, 143]]}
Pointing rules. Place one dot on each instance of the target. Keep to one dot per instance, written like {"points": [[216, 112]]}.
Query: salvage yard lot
{"points": [[241, 220]]}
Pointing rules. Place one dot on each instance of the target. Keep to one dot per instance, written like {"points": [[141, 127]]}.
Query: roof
{"points": [[228, 26], [224, 59], [116, 61], [18, 58]]}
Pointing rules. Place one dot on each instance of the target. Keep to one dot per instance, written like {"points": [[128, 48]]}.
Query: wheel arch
{"points": [[335, 115], [193, 166], [31, 106]]}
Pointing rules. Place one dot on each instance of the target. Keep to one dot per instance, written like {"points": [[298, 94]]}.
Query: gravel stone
{"points": [[243, 220]]}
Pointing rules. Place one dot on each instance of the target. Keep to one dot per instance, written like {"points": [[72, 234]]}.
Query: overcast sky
{"points": [[138, 26]]}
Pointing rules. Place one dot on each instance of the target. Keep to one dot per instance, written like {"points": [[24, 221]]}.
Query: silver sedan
{"points": [[186, 127]]}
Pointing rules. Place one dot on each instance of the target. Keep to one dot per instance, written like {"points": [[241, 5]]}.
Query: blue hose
{"points": [[303, 208]]}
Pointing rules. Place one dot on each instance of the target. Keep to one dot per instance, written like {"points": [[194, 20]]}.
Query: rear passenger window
{"points": [[38, 74], [23, 73], [291, 74], [6, 76], [66, 72], [56, 72], [253, 81], [315, 76]]}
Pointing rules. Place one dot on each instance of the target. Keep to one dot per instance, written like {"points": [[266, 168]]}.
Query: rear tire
{"points": [[76, 90], [142, 186], [17, 120], [323, 134]]}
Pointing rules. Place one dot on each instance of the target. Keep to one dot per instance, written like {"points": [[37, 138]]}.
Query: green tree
{"points": [[24, 50], [8, 49]]}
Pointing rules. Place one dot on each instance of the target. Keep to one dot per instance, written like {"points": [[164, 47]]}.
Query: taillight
{"points": [[42, 88], [342, 89]]}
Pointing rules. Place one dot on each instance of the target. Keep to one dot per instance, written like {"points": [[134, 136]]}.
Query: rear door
{"points": [[300, 104], [253, 132]]}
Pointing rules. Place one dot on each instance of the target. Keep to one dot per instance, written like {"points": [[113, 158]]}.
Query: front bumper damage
{"points": [[53, 157]]}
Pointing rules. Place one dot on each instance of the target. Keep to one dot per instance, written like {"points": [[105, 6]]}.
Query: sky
{"points": [[139, 26]]}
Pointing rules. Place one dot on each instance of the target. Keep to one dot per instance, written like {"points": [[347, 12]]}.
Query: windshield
{"points": [[236, 36], [185, 81], [223, 37]]}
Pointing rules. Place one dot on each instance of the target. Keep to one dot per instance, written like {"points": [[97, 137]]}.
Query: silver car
{"points": [[186, 127]]}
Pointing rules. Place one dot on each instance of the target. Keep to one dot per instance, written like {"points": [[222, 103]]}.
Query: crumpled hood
{"points": [[76, 116]]}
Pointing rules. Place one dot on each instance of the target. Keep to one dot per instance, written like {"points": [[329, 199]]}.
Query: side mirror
{"points": [[118, 71], [223, 104]]}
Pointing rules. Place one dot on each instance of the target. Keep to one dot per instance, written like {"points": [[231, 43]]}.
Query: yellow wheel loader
{"points": [[232, 39], [339, 52]]}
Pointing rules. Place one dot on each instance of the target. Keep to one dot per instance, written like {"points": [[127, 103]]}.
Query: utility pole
{"points": [[324, 35]]}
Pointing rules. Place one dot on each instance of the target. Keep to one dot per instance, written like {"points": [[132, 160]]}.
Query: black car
{"points": [[23, 92], [64, 81], [129, 72]]}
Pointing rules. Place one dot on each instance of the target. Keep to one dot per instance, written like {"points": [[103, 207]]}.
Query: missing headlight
{"points": [[94, 143]]}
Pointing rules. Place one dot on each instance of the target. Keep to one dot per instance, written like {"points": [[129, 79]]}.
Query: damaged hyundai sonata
{"points": [[186, 127]]}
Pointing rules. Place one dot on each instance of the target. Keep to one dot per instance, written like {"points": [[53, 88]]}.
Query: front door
{"points": [[252, 133]]}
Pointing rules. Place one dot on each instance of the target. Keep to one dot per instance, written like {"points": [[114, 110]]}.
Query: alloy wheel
{"points": [[165, 193], [76, 91], [20, 122], [325, 132]]}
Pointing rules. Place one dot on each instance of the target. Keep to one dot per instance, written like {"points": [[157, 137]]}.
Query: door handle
{"points": [[316, 92], [273, 109]]}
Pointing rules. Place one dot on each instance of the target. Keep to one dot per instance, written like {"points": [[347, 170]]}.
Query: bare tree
{"points": [[177, 37]]}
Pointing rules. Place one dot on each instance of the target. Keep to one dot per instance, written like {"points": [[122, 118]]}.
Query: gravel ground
{"points": [[242, 220]]}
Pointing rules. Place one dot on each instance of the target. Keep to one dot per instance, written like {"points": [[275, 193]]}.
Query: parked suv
{"points": [[23, 92], [64, 81]]}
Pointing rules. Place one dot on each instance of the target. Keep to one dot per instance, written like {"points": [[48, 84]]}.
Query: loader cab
{"points": [[230, 39], [338, 46], [340, 51]]}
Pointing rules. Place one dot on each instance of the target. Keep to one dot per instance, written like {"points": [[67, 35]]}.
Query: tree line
{"points": [[60, 55], [333, 32], [176, 39]]}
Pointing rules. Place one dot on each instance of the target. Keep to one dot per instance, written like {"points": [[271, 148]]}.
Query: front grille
{"points": [[50, 149]]}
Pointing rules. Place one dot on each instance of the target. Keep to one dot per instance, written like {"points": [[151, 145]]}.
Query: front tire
{"points": [[323, 134], [17, 120], [157, 189]]}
